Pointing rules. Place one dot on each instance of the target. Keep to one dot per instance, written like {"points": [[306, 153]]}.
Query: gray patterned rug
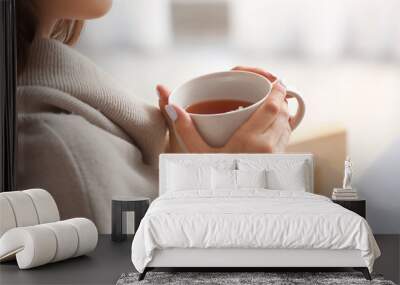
{"points": [[268, 278]]}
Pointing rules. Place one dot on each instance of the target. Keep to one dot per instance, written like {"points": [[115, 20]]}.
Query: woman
{"points": [[85, 139]]}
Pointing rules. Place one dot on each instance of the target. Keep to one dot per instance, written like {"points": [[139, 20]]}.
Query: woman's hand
{"points": [[266, 131]]}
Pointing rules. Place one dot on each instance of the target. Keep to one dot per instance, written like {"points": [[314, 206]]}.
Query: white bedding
{"points": [[251, 218]]}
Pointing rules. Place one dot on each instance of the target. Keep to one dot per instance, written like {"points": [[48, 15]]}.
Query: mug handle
{"points": [[295, 120]]}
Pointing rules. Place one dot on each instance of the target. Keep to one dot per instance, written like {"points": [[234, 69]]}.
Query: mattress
{"points": [[251, 219]]}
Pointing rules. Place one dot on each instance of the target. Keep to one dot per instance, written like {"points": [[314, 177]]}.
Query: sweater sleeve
{"points": [[46, 161], [121, 115], [82, 165]]}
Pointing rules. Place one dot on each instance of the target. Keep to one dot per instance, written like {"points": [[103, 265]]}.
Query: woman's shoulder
{"points": [[59, 78], [53, 63], [43, 101]]}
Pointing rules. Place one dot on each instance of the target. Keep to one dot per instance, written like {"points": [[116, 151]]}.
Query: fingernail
{"points": [[171, 112], [158, 91]]}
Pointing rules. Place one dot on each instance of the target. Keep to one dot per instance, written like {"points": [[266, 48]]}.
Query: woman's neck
{"points": [[46, 26]]}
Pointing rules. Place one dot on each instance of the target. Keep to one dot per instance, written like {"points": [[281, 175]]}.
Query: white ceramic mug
{"points": [[216, 129]]}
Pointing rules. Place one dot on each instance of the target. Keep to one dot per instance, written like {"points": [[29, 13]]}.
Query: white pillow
{"points": [[188, 177], [281, 174], [251, 178], [291, 179], [227, 179], [223, 179]]}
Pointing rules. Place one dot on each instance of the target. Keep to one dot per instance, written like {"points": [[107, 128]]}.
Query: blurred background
{"points": [[343, 56]]}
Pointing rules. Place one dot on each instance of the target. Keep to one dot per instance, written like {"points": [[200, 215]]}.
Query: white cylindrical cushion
{"points": [[23, 208], [67, 239], [34, 246], [45, 205], [87, 234], [37, 245], [7, 218]]}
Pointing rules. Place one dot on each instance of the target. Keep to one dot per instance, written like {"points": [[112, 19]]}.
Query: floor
{"points": [[389, 262], [103, 266], [110, 260]]}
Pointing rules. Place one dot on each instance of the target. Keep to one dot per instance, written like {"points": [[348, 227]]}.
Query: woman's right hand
{"points": [[266, 131]]}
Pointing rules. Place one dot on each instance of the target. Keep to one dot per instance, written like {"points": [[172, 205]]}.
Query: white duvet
{"points": [[250, 219]]}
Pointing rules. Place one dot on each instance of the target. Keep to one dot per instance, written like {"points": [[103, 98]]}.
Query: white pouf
{"points": [[27, 208], [46, 207], [67, 240], [23, 208], [87, 233], [31, 232], [37, 245], [33, 246], [7, 218]]}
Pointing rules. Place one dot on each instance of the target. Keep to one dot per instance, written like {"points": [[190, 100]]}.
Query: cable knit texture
{"points": [[81, 136]]}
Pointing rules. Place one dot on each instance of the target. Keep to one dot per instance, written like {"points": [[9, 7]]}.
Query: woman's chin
{"points": [[95, 9], [104, 7]]}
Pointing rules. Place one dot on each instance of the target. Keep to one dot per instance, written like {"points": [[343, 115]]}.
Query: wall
{"points": [[381, 182]]}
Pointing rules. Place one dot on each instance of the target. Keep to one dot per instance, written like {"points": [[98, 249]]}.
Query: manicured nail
{"points": [[171, 112], [158, 91]]}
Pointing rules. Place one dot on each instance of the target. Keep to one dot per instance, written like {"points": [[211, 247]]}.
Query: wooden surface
{"points": [[329, 150], [357, 206]]}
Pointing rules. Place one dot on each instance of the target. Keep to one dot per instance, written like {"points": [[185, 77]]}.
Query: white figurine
{"points": [[348, 173]]}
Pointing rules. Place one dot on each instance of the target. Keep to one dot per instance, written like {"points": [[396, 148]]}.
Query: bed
{"points": [[247, 211]]}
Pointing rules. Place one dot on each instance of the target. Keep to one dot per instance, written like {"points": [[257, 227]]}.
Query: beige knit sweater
{"points": [[83, 138]]}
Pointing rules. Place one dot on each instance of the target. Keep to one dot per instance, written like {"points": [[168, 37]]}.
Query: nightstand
{"points": [[357, 206], [121, 205]]}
